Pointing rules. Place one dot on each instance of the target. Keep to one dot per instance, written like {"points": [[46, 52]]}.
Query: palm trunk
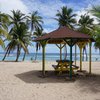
{"points": [[86, 55], [75, 53], [83, 54], [65, 52], [5, 54], [24, 56], [36, 55], [18, 53]]}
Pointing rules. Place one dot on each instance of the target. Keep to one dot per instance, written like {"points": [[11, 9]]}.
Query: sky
{"points": [[47, 9]]}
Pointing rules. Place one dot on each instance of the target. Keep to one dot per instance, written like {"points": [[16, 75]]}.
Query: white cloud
{"points": [[47, 30], [92, 2], [47, 9], [7, 5]]}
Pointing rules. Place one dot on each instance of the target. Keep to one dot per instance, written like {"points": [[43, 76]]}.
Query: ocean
{"points": [[49, 57]]}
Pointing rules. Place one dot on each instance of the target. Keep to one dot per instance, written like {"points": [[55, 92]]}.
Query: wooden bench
{"points": [[75, 67]]}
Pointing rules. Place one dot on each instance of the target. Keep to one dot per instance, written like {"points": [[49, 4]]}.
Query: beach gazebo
{"points": [[62, 36]]}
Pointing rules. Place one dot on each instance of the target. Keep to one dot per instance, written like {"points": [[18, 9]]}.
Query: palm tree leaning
{"points": [[20, 39], [96, 12], [4, 20], [65, 17], [86, 26], [19, 36]]}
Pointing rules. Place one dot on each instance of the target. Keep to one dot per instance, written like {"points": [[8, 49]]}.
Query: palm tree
{"points": [[19, 39], [35, 20], [38, 32], [86, 26], [18, 33], [17, 17], [4, 20], [65, 17], [96, 12], [97, 37]]}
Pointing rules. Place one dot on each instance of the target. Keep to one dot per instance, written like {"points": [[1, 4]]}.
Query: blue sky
{"points": [[47, 9]]}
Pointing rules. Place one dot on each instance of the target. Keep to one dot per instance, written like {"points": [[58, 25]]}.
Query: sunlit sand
{"points": [[22, 81]]}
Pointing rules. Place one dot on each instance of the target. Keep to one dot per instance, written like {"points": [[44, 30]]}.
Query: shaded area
{"points": [[86, 83], [35, 77]]}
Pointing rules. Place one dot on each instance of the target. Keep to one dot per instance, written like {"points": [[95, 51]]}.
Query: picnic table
{"points": [[64, 65]]}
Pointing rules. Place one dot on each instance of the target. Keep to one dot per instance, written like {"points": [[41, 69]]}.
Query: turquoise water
{"points": [[49, 57]]}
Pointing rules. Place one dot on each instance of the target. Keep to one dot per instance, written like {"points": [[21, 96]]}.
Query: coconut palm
{"points": [[97, 37], [96, 12], [4, 20], [38, 32], [19, 40], [34, 20], [18, 34], [17, 17], [86, 26], [65, 17]]}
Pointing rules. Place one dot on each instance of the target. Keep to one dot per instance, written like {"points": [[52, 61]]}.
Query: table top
{"points": [[63, 61]]}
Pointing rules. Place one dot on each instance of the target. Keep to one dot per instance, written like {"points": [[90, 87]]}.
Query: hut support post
{"points": [[81, 59], [71, 44], [70, 61], [90, 44], [81, 46], [60, 47], [43, 44], [60, 52], [43, 60], [75, 53]]}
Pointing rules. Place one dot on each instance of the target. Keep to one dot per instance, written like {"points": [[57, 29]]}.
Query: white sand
{"points": [[21, 81]]}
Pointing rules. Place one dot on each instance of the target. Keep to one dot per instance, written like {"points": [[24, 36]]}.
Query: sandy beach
{"points": [[22, 81]]}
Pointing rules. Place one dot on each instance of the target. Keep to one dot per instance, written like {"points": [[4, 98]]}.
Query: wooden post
{"points": [[60, 52], [70, 61], [60, 47], [70, 43], [81, 59], [81, 46], [43, 60], [75, 54], [43, 44], [90, 57]]}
